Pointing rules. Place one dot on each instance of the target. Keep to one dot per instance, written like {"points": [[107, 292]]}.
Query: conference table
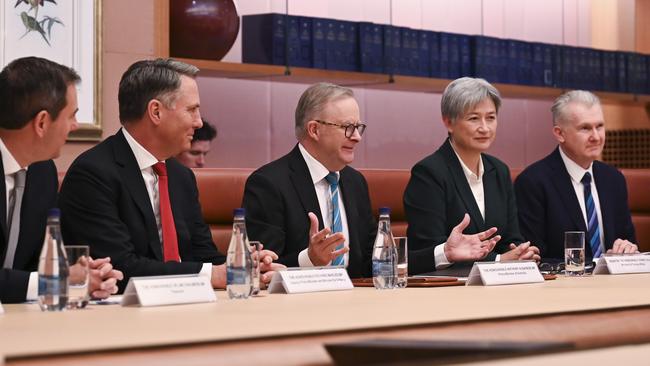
{"points": [[591, 312]]}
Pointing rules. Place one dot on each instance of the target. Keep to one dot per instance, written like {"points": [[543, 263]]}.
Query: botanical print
{"points": [[33, 24]]}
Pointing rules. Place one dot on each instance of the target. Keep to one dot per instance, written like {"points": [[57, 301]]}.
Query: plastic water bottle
{"points": [[384, 254], [53, 267], [239, 264]]}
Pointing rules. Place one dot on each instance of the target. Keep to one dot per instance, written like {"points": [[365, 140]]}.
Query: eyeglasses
{"points": [[348, 127]]}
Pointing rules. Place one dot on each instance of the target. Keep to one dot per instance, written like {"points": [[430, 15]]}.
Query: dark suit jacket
{"points": [[548, 205], [438, 195], [104, 203], [41, 186], [278, 196]]}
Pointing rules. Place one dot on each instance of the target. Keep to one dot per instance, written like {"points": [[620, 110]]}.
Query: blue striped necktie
{"points": [[593, 230], [337, 227]]}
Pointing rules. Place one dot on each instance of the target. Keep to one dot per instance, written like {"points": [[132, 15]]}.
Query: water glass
{"points": [[256, 249], [574, 253], [401, 244], [79, 262]]}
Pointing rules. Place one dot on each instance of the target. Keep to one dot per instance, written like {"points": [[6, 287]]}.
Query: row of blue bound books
{"points": [[280, 39]]}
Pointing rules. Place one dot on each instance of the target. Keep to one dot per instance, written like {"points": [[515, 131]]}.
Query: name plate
{"points": [[504, 273], [301, 280], [168, 290], [620, 264]]}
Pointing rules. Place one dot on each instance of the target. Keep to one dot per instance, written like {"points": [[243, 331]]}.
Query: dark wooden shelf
{"points": [[379, 81]]}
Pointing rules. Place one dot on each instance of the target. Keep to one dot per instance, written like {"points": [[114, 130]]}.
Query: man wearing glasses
{"points": [[309, 206]]}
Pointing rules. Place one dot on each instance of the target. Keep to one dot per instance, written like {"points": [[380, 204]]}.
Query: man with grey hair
{"points": [[459, 202], [570, 190], [129, 199], [309, 206]]}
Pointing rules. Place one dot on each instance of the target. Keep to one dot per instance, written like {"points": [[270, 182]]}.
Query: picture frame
{"points": [[65, 31]]}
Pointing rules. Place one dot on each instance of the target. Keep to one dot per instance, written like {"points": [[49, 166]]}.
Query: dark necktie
{"points": [[170, 241], [337, 227], [14, 217], [593, 230]]}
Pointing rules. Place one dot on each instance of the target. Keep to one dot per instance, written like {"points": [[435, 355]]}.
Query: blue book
{"points": [[351, 46], [293, 42], [621, 72], [444, 55], [332, 50], [609, 71], [501, 60], [542, 65], [424, 56], [434, 54], [465, 49], [454, 56], [512, 70], [581, 69], [392, 49], [481, 46], [264, 39], [371, 47], [318, 43], [409, 55], [595, 60], [525, 63], [305, 55]]}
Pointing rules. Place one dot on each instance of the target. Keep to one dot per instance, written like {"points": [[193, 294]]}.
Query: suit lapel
{"points": [[129, 169], [302, 183], [460, 181], [493, 200], [606, 204], [564, 187], [3, 214]]}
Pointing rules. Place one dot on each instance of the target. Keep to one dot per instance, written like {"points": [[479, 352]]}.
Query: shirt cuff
{"points": [[32, 287], [206, 270], [303, 259], [440, 258], [497, 258]]}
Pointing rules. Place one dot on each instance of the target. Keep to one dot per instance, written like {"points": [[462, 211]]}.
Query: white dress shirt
{"points": [[146, 161], [576, 172], [318, 173], [11, 167]]}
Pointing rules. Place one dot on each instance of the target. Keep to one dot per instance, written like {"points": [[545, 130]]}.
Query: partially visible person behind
{"points": [[130, 199], [38, 107], [570, 190], [459, 201], [201, 144], [310, 206]]}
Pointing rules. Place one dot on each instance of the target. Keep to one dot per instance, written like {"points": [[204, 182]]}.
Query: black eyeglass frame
{"points": [[348, 127]]}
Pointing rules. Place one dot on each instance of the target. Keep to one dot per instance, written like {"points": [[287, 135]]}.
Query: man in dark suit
{"points": [[459, 197], [128, 198], [569, 190], [38, 100], [309, 206]]}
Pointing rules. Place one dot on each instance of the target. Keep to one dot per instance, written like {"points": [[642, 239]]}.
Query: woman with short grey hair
{"points": [[459, 201]]}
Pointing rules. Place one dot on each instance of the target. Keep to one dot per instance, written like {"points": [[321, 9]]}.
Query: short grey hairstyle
{"points": [[313, 101], [586, 98], [461, 95], [150, 79]]}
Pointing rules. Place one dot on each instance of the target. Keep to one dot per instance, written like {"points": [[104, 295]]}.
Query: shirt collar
{"points": [[144, 158], [317, 170], [9, 163], [576, 172], [468, 172]]}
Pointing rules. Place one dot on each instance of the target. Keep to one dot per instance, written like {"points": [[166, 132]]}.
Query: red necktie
{"points": [[170, 242]]}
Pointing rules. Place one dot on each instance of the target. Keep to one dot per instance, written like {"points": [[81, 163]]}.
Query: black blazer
{"points": [[41, 187], [104, 204], [278, 196], [548, 205], [438, 195]]}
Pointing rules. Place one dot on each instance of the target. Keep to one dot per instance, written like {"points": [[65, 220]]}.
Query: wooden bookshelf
{"points": [[303, 75]]}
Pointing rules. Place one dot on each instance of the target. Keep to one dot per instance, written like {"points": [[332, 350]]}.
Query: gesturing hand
{"points": [[462, 247], [322, 246]]}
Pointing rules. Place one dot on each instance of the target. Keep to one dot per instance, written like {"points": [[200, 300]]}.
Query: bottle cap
{"points": [[239, 212], [384, 210], [54, 212]]}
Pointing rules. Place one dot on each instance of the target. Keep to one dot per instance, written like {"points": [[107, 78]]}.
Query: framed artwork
{"points": [[64, 31]]}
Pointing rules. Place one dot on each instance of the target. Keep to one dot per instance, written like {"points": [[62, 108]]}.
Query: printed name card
{"points": [[168, 290], [620, 264], [300, 280], [504, 273]]}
